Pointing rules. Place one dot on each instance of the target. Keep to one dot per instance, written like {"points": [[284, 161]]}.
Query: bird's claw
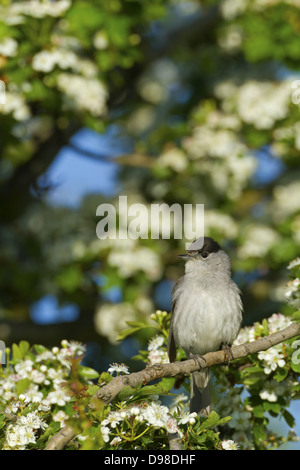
{"points": [[228, 353], [198, 358]]}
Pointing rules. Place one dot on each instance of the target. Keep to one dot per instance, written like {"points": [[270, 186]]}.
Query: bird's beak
{"points": [[188, 255], [185, 256]]}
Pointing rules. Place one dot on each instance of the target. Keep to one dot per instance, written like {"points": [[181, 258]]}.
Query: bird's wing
{"points": [[171, 342]]}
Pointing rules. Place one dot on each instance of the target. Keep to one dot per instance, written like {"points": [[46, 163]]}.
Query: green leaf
{"points": [[162, 388], [258, 411], [87, 372], [289, 418], [136, 326], [17, 354], [50, 431], [253, 375], [295, 367], [70, 278], [2, 420], [295, 358], [281, 374], [105, 377], [296, 316], [24, 347], [265, 329], [259, 432], [272, 407], [92, 390], [22, 386], [224, 420], [39, 348], [126, 392], [210, 422]]}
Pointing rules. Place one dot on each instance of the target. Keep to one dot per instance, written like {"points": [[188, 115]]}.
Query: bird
{"points": [[206, 313]]}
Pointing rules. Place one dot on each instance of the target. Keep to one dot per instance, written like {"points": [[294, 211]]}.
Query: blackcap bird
{"points": [[206, 312]]}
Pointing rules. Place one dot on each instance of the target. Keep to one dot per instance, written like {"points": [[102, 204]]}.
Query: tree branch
{"points": [[131, 159], [109, 391]]}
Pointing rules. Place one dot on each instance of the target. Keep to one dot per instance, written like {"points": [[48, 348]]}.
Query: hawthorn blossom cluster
{"points": [[276, 322], [273, 358], [62, 64], [240, 425], [150, 414], [292, 292], [115, 430], [14, 12], [232, 8], [156, 352], [24, 431], [110, 319], [42, 379], [259, 104]]}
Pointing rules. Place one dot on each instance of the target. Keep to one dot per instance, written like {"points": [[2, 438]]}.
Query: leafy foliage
{"points": [[42, 388]]}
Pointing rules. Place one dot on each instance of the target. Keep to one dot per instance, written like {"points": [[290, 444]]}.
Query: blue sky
{"points": [[75, 175]]}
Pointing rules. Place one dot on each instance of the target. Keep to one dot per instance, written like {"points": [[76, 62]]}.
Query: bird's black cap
{"points": [[209, 245], [201, 245]]}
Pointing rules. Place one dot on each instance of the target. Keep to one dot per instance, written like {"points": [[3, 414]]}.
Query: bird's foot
{"points": [[198, 358], [228, 353]]}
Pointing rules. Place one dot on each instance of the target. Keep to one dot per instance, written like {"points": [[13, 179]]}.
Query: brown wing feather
{"points": [[171, 342]]}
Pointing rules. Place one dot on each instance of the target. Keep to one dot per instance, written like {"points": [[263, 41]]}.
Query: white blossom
{"points": [[272, 390], [18, 436], [8, 47], [171, 425], [286, 200], [86, 94], [100, 40], [272, 359], [24, 368], [15, 104], [58, 397], [118, 368], [156, 415], [229, 445], [258, 241], [61, 417], [294, 263], [33, 394], [277, 322], [110, 319], [232, 8], [14, 11], [43, 61], [33, 420], [155, 343], [115, 441], [173, 158], [158, 356], [188, 418], [246, 335], [130, 262], [293, 290]]}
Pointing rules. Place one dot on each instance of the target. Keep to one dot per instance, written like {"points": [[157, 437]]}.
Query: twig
{"points": [[109, 391]]}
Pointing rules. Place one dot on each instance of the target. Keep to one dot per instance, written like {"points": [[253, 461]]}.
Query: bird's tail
{"points": [[200, 396]]}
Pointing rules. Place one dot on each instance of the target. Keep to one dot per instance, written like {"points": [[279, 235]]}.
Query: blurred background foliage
{"points": [[187, 102]]}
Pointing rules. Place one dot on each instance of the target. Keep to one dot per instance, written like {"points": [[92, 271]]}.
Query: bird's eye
{"points": [[204, 254]]}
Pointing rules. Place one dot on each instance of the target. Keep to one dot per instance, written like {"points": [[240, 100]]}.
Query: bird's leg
{"points": [[197, 358], [228, 352]]}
